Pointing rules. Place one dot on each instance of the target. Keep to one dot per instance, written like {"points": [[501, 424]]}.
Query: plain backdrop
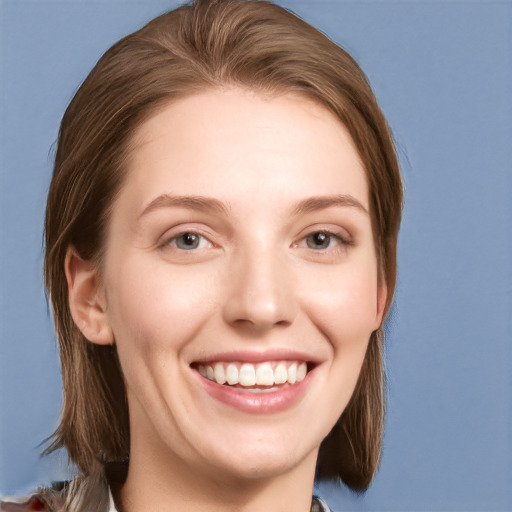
{"points": [[442, 71]]}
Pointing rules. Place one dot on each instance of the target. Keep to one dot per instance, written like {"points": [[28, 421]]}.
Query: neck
{"points": [[161, 481]]}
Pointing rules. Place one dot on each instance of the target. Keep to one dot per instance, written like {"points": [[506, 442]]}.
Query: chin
{"points": [[262, 455], [261, 465]]}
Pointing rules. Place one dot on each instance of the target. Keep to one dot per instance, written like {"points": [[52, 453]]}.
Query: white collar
{"points": [[323, 504], [111, 506]]}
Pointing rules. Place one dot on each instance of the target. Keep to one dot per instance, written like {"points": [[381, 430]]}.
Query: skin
{"points": [[256, 282]]}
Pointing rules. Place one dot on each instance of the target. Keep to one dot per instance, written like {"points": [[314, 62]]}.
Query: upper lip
{"points": [[258, 356]]}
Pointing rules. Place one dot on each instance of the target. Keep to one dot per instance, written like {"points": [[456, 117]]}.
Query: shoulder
{"points": [[34, 502], [44, 499], [319, 505]]}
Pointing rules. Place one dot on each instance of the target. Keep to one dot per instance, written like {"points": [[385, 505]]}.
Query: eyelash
{"points": [[168, 241], [343, 241]]}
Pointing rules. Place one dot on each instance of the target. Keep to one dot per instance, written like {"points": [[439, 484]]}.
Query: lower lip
{"points": [[267, 402]]}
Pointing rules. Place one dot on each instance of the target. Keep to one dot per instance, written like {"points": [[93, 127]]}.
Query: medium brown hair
{"points": [[204, 45]]}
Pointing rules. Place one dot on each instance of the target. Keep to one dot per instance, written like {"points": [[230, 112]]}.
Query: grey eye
{"points": [[188, 241], [319, 240]]}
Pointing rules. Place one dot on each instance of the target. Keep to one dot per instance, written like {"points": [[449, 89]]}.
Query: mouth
{"points": [[265, 376], [254, 384]]}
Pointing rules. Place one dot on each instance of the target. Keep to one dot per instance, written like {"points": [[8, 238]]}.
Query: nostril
{"points": [[261, 295]]}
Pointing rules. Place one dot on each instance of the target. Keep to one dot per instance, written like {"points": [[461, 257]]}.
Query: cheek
{"points": [[153, 310], [344, 310], [344, 307]]}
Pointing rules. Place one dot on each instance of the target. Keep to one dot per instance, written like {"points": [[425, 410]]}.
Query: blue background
{"points": [[442, 71]]}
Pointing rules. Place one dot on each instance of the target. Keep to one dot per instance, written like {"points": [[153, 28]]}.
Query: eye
{"points": [[189, 241], [321, 240]]}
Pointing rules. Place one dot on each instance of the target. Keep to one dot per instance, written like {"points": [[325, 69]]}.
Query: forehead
{"points": [[230, 141]]}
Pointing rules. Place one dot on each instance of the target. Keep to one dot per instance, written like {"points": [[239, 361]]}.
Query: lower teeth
{"points": [[259, 390], [255, 389]]}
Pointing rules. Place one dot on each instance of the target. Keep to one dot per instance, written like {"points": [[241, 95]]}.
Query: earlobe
{"points": [[382, 297], [87, 301]]}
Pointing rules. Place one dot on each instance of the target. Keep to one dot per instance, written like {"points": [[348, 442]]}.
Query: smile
{"points": [[263, 376], [257, 382]]}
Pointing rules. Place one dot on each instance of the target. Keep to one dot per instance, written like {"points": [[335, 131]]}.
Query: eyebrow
{"points": [[322, 202], [208, 204], [200, 203]]}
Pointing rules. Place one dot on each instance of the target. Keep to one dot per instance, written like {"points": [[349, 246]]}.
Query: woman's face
{"points": [[240, 280]]}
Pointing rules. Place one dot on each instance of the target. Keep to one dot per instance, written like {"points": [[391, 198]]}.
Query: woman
{"points": [[220, 255]]}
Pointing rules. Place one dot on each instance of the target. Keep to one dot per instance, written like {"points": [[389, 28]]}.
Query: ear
{"points": [[382, 297], [87, 301]]}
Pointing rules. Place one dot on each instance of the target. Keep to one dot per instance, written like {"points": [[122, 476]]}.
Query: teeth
{"points": [[280, 374], [265, 375], [219, 374], [292, 374], [302, 369], [248, 375], [232, 374]]}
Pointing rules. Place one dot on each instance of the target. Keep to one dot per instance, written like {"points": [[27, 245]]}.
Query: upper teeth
{"points": [[247, 374]]}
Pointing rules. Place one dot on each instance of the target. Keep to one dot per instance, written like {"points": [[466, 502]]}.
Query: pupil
{"points": [[189, 239], [319, 240]]}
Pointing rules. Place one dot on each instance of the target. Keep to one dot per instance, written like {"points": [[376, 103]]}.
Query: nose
{"points": [[261, 292]]}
